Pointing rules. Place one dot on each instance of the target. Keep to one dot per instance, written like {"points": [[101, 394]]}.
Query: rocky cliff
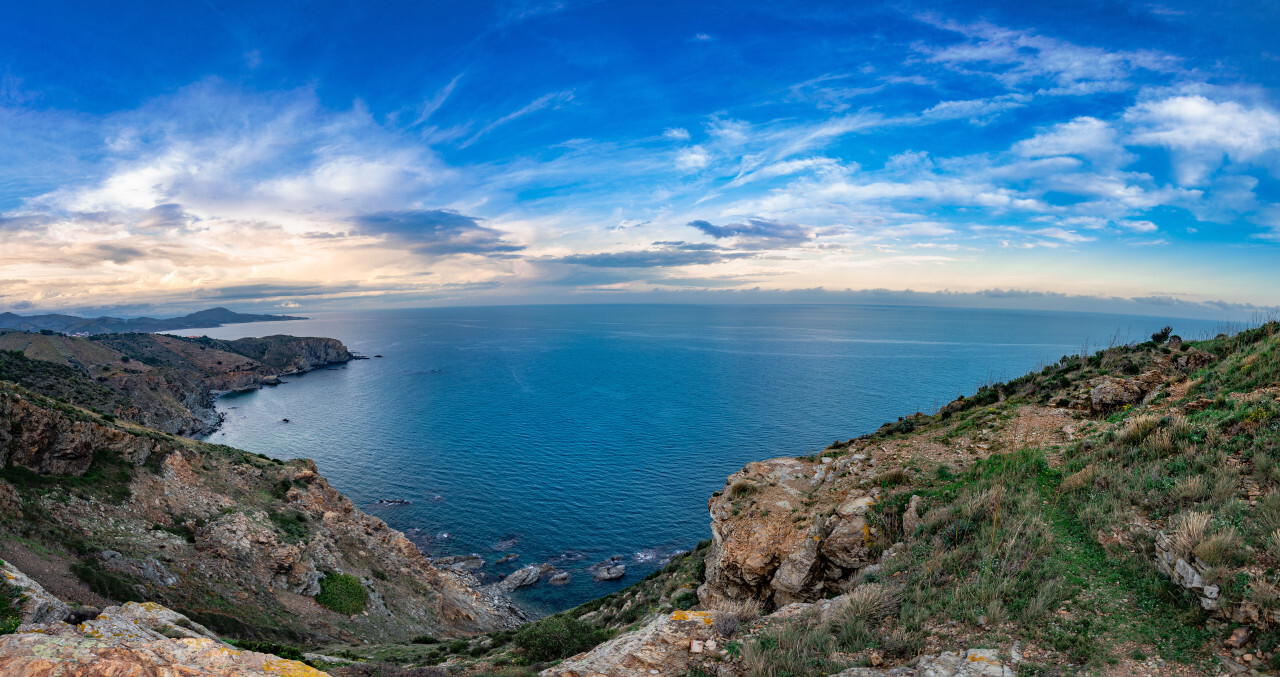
{"points": [[164, 382], [243, 543]]}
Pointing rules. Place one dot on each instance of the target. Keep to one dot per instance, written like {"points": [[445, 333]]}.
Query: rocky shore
{"points": [[164, 382]]}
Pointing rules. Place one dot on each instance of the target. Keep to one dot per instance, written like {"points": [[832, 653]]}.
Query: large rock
{"points": [[664, 645], [609, 570], [1109, 392], [522, 577], [39, 606], [770, 540], [39, 654], [134, 639]]}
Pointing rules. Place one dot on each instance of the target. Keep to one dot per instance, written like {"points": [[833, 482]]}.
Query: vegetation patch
{"points": [[558, 636], [342, 593]]}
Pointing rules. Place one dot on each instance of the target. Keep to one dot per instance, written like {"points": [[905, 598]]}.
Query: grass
{"points": [[342, 593]]}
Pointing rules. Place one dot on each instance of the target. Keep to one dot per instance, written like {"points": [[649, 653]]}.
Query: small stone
{"points": [[1239, 637], [711, 645], [696, 646], [1247, 657]]}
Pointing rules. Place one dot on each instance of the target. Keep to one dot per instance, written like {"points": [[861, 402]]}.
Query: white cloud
{"points": [[692, 158], [978, 111], [552, 100], [1031, 62], [677, 133], [1138, 225], [1201, 133], [1084, 137]]}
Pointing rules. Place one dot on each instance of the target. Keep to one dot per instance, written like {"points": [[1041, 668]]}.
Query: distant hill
{"points": [[71, 324]]}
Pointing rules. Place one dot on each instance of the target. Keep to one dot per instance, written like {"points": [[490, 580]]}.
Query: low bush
{"points": [[557, 637], [342, 593]]}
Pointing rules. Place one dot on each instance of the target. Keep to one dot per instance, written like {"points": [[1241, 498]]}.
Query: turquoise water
{"points": [[581, 432]]}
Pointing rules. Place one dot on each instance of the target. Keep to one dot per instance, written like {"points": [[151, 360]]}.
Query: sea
{"points": [[570, 434]]}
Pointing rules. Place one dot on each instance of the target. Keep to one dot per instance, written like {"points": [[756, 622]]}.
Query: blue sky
{"points": [[1119, 156]]}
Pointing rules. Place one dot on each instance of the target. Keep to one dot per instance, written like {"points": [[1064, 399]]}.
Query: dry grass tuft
{"points": [[1190, 531], [1161, 443], [1079, 480], [1191, 488], [1138, 428], [1221, 548], [728, 614], [870, 601]]}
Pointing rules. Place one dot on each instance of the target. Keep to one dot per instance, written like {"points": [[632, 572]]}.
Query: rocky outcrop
{"points": [[666, 645], [38, 606], [760, 550], [522, 577], [134, 639], [50, 441], [609, 570], [196, 522]]}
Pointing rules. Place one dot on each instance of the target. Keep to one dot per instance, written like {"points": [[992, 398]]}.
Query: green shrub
{"points": [[685, 600], [557, 637], [342, 593]]}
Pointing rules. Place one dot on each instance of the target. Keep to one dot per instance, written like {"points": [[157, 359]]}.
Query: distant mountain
{"points": [[70, 324]]}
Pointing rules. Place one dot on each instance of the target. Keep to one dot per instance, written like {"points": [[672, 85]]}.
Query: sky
{"points": [[1080, 155]]}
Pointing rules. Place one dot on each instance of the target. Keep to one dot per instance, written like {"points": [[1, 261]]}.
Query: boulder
{"points": [[609, 570], [1109, 392], [911, 518], [559, 578], [662, 645], [524, 576], [39, 606]]}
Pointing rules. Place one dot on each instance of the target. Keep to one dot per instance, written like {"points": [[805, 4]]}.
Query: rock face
{"points": [[663, 645], [759, 551], [198, 521], [50, 442], [134, 639], [40, 606]]}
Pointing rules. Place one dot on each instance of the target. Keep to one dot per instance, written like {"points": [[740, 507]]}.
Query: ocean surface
{"points": [[574, 433]]}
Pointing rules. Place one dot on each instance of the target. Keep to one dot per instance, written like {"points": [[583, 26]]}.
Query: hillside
{"points": [[100, 510], [72, 324], [1113, 514], [163, 382], [1110, 514]]}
